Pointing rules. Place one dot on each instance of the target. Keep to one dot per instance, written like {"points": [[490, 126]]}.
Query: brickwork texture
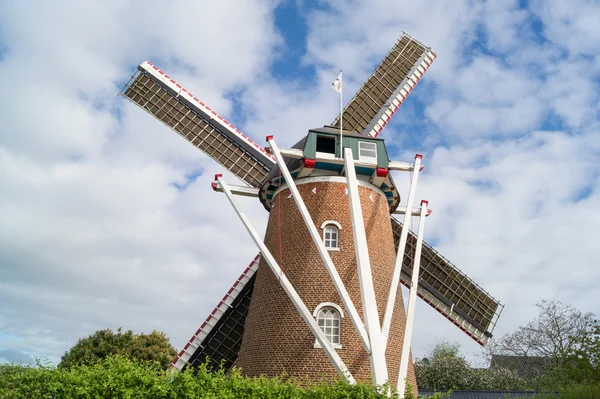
{"points": [[276, 339]]}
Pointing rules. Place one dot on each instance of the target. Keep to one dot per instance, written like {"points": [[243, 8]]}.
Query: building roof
{"points": [[485, 394]]}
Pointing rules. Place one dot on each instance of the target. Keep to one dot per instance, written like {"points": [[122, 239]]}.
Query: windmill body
{"points": [[276, 338], [322, 298]]}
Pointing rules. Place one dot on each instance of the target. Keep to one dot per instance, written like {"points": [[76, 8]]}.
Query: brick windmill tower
{"points": [[322, 298]]}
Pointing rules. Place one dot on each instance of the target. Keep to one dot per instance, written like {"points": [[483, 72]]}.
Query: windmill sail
{"points": [[449, 291], [177, 108], [220, 336], [386, 89]]}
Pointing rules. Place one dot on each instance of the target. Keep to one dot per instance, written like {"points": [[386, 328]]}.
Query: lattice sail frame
{"points": [[166, 100], [449, 291], [385, 90], [220, 336]]}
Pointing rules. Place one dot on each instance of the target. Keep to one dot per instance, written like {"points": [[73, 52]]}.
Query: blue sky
{"points": [[106, 217]]}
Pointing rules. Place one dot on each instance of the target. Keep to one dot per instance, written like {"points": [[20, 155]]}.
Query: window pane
{"points": [[328, 320]]}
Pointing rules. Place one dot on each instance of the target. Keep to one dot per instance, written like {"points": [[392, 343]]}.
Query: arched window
{"points": [[329, 318], [331, 235]]}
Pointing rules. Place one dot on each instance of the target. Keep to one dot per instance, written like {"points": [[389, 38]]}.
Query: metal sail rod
{"points": [[312, 229], [335, 359], [389, 309], [377, 359], [412, 298]]}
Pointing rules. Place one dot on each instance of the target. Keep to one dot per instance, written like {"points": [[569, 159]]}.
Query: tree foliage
{"points": [[555, 331], [579, 364], [445, 368], [582, 360], [153, 347]]}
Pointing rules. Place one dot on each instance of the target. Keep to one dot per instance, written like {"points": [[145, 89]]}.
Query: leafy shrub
{"points": [[122, 377], [153, 347], [454, 372]]}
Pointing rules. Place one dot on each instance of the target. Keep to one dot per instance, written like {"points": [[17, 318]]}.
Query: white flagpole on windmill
{"points": [[337, 86]]}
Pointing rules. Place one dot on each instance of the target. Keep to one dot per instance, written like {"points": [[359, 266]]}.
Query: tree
{"points": [[555, 331], [581, 362], [445, 368], [153, 347]]}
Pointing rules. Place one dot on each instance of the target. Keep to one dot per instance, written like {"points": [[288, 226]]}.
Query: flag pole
{"points": [[341, 114]]}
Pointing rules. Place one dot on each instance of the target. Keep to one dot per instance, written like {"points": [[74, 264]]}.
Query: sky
{"points": [[107, 218]]}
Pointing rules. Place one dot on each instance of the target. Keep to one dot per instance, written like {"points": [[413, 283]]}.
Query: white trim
{"points": [[337, 239], [364, 158], [325, 155], [330, 305], [340, 312], [325, 223]]}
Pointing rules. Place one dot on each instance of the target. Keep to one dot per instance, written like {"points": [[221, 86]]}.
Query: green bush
{"points": [[153, 347], [122, 377]]}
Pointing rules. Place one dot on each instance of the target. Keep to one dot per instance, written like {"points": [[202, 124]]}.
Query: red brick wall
{"points": [[276, 339]]}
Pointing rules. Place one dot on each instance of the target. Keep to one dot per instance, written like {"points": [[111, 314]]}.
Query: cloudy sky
{"points": [[107, 218]]}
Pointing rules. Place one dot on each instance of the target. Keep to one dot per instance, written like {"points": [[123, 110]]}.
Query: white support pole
{"points": [[377, 359], [289, 289], [391, 302], [412, 299], [314, 233]]}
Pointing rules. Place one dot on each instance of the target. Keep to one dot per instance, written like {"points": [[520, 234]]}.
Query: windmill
{"points": [[322, 297]]}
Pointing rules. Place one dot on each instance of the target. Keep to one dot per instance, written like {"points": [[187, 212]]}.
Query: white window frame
{"points": [[338, 309], [367, 144], [326, 155], [324, 227]]}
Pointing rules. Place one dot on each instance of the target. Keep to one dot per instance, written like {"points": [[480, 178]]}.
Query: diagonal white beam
{"points": [[379, 370], [389, 308], [412, 299], [314, 233], [289, 289]]}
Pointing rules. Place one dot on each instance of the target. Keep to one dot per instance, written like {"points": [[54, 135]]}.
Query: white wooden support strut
{"points": [[314, 233], [238, 190], [412, 299], [401, 210], [379, 371], [389, 309], [289, 289]]}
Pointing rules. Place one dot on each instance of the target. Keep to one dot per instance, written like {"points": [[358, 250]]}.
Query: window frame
{"points": [[366, 158], [326, 226], [335, 309], [327, 155]]}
